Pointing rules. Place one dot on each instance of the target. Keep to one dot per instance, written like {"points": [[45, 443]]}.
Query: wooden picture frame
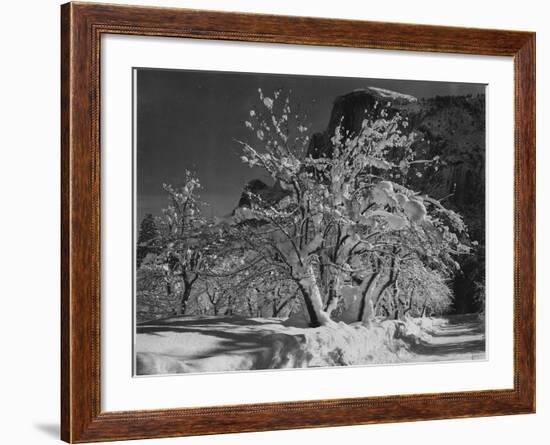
{"points": [[82, 25]]}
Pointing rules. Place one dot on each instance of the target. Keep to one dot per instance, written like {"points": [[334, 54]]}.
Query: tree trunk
{"points": [[313, 320], [366, 310], [409, 306], [333, 295], [184, 299], [424, 308], [313, 299], [383, 289], [392, 279], [398, 304], [250, 306]]}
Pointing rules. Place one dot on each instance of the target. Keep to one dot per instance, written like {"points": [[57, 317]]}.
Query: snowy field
{"points": [[220, 344]]}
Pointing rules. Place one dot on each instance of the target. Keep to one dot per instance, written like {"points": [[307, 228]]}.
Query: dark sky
{"points": [[190, 120]]}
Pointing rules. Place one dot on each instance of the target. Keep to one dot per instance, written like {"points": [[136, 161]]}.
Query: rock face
{"points": [[256, 187], [269, 194]]}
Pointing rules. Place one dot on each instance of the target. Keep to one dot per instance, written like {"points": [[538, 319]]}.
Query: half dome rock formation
{"points": [[350, 110]]}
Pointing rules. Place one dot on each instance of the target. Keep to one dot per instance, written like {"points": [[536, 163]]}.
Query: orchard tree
{"points": [[183, 240], [342, 218]]}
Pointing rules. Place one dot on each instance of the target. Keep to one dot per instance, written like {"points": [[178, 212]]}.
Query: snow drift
{"points": [[215, 344]]}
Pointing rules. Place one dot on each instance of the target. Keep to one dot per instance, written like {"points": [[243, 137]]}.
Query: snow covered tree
{"points": [[182, 240], [147, 238], [330, 219]]}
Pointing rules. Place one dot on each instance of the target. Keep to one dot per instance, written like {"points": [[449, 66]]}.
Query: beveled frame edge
{"points": [[82, 25]]}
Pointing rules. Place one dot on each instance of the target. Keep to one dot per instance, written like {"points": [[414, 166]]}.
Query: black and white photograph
{"points": [[233, 222], [293, 221]]}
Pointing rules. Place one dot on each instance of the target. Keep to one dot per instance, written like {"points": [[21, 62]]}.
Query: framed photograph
{"points": [[275, 222]]}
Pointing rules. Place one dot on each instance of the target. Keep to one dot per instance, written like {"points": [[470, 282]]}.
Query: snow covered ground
{"points": [[214, 344]]}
